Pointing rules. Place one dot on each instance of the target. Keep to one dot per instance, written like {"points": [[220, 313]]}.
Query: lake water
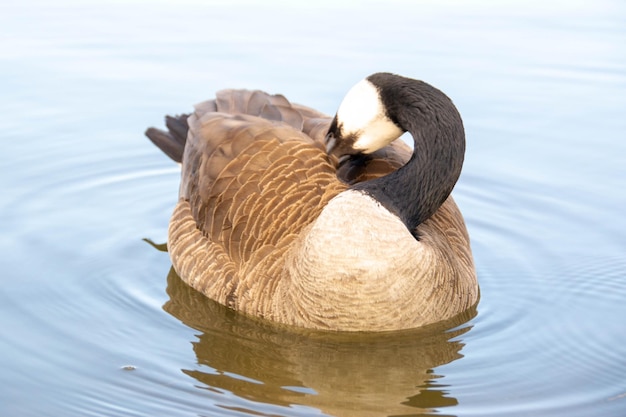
{"points": [[95, 324]]}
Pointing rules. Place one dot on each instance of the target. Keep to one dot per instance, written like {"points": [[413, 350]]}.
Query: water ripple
{"points": [[560, 316]]}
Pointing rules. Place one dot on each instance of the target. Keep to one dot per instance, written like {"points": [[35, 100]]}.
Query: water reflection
{"points": [[340, 374]]}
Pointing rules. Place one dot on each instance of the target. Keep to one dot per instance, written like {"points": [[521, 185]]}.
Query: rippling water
{"points": [[95, 323]]}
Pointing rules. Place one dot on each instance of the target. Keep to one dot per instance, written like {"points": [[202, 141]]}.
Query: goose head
{"points": [[362, 123]]}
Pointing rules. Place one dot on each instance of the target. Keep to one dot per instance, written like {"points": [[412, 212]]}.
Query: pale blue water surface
{"points": [[92, 322]]}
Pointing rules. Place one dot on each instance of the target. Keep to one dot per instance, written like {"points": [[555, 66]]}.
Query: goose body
{"points": [[327, 223]]}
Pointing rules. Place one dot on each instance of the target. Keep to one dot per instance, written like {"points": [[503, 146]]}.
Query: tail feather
{"points": [[172, 142]]}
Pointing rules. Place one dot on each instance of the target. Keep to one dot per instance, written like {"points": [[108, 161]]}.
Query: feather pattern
{"points": [[252, 179]]}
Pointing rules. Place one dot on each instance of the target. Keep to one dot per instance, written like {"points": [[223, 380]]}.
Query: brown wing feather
{"points": [[249, 185]]}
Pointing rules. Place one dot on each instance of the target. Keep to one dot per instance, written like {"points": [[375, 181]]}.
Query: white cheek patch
{"points": [[362, 114], [360, 105], [378, 134]]}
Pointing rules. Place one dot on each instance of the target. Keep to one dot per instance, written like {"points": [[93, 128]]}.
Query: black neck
{"points": [[416, 190]]}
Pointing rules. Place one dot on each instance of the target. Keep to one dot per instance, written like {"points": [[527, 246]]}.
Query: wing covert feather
{"points": [[239, 167]]}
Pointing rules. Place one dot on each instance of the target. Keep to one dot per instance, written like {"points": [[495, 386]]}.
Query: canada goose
{"points": [[289, 215]]}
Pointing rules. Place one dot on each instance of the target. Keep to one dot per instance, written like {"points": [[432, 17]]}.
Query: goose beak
{"points": [[338, 148], [335, 152]]}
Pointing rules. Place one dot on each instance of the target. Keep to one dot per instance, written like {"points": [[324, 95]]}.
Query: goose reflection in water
{"points": [[341, 374]]}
